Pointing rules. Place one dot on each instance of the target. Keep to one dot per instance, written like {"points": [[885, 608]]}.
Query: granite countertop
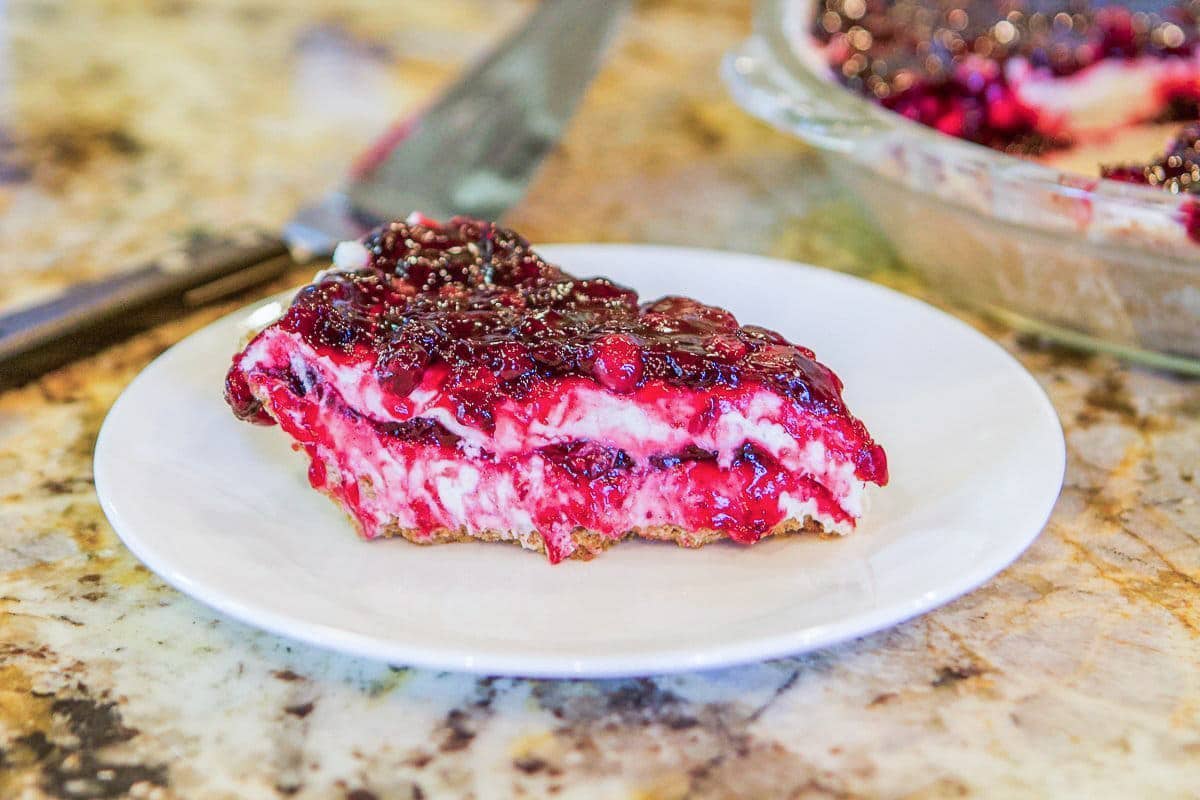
{"points": [[126, 126]]}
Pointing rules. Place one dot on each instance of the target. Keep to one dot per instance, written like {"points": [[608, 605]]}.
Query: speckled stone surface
{"points": [[125, 126]]}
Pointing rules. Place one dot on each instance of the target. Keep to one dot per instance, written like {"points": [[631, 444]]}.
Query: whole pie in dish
{"points": [[448, 384]]}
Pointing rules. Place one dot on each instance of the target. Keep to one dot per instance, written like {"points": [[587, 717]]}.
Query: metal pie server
{"points": [[473, 152]]}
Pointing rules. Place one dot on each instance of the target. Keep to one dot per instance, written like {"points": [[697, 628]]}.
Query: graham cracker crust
{"points": [[590, 543]]}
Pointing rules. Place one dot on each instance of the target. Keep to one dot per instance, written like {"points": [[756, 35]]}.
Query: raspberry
{"points": [[400, 367], [587, 459], [618, 362], [509, 360], [762, 334], [243, 402], [727, 348]]}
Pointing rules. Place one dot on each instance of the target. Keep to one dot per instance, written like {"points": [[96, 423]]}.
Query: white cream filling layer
{"points": [[642, 430], [1107, 95], [458, 494]]}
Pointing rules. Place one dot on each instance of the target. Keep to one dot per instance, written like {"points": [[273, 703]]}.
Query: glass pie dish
{"points": [[1095, 263]]}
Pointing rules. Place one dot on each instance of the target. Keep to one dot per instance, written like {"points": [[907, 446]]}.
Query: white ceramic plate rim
{"points": [[1025, 524]]}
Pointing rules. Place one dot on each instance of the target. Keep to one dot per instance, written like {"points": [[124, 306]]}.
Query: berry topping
{"points": [[400, 366], [418, 431], [946, 63], [475, 299], [586, 459]]}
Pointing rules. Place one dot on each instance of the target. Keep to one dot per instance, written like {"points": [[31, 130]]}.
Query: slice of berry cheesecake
{"points": [[449, 384]]}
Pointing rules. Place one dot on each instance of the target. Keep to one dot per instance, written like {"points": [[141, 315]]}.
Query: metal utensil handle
{"points": [[86, 317]]}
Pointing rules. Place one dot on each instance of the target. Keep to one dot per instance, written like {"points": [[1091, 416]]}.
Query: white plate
{"points": [[222, 510]]}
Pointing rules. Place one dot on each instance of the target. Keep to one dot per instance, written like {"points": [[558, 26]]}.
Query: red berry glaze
{"points": [[476, 298]]}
